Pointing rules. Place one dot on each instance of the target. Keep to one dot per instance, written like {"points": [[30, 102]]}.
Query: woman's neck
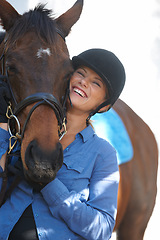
{"points": [[76, 122]]}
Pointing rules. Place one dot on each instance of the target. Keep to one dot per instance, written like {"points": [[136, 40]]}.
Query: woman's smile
{"points": [[87, 89], [79, 91]]}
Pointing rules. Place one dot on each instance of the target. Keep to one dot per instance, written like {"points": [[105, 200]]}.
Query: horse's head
{"points": [[36, 60]]}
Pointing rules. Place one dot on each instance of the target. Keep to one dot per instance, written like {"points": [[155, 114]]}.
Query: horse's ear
{"points": [[8, 15], [69, 18]]}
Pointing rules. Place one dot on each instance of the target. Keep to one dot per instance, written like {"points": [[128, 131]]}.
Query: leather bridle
{"points": [[40, 98]]}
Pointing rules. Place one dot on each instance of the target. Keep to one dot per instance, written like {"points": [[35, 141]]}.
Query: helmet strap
{"points": [[105, 103]]}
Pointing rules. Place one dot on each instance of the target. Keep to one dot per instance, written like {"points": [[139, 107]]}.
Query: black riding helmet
{"points": [[108, 67]]}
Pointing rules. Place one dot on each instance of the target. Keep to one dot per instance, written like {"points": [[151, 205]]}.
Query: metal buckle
{"points": [[17, 136], [63, 130]]}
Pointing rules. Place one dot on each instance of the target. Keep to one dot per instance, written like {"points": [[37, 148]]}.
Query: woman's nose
{"points": [[84, 82]]}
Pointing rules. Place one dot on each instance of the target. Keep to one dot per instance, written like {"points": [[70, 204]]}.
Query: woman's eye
{"points": [[80, 73], [97, 83]]}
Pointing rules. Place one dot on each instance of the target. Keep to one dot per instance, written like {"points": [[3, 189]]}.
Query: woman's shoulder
{"points": [[93, 145], [94, 142], [101, 147], [103, 144]]}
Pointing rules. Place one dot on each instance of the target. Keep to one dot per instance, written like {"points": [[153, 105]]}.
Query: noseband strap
{"points": [[41, 96], [40, 99]]}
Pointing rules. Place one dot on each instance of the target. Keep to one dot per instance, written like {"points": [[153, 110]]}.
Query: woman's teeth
{"points": [[79, 92]]}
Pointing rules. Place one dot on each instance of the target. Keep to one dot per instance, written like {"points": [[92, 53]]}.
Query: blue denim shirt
{"points": [[81, 203]]}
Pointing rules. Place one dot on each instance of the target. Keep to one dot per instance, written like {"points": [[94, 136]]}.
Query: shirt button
{"points": [[67, 149], [36, 215]]}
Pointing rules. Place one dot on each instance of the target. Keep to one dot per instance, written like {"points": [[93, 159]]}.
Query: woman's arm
{"points": [[4, 140], [91, 218], [3, 158]]}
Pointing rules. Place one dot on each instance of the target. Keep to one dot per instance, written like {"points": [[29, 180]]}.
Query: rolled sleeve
{"points": [[4, 141], [55, 192]]}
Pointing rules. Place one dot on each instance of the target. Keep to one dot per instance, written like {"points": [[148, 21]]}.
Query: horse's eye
{"points": [[12, 69]]}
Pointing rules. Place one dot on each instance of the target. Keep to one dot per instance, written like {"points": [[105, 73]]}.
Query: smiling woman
{"points": [[86, 84], [101, 64], [94, 86]]}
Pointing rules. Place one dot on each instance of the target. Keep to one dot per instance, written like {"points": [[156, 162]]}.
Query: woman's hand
{"points": [[4, 126]]}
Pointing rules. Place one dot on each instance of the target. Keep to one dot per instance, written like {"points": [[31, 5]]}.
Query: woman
{"points": [[81, 203]]}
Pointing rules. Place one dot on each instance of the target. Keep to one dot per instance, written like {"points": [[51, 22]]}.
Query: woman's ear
{"points": [[105, 108]]}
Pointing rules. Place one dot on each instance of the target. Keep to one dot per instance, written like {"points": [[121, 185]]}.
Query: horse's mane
{"points": [[40, 19]]}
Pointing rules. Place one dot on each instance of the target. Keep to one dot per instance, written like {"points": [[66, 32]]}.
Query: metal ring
{"points": [[18, 125]]}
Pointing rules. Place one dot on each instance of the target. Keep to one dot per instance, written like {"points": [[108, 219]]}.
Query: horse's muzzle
{"points": [[42, 165]]}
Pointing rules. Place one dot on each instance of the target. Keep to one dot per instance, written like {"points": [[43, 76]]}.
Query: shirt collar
{"points": [[86, 133]]}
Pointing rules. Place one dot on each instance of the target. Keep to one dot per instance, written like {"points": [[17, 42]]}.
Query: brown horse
{"points": [[138, 177], [37, 61], [35, 58]]}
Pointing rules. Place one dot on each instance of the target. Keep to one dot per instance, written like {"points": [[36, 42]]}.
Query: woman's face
{"points": [[87, 90]]}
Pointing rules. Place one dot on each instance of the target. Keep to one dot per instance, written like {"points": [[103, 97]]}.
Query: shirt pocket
{"points": [[74, 165], [73, 172]]}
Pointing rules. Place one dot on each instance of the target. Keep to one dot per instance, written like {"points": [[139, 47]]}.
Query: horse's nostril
{"points": [[43, 165], [29, 153]]}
